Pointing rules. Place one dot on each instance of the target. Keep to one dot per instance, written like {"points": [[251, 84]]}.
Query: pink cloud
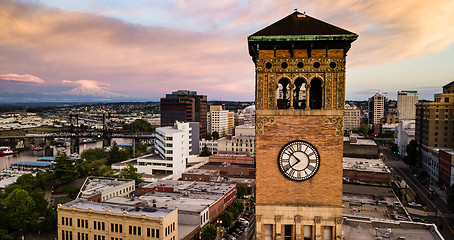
{"points": [[25, 78]]}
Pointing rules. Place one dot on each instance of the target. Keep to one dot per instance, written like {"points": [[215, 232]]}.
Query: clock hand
{"points": [[297, 161]]}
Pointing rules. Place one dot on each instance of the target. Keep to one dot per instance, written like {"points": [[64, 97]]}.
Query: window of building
{"points": [[315, 94], [268, 231], [327, 233], [307, 230], [288, 232]]}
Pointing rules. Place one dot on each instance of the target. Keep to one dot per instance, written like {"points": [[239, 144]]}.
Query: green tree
{"points": [[209, 233], [92, 154], [4, 235], [205, 152], [227, 218], [115, 155], [139, 125], [451, 198], [215, 135], [241, 191], [237, 208], [209, 137], [364, 129], [64, 168], [411, 150], [21, 209], [130, 172]]}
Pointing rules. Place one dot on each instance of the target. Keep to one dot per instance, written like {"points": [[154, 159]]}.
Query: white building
{"points": [[430, 163], [242, 143], [172, 153], [405, 132], [100, 189], [406, 104], [352, 117], [219, 120], [212, 145], [376, 108]]}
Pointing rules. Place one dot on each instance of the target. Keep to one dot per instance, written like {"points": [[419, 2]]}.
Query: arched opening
{"points": [[315, 94], [283, 94], [299, 94]]}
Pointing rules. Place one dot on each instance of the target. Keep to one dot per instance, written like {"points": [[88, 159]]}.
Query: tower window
{"points": [[288, 232], [315, 94], [283, 94], [307, 232], [300, 64], [268, 65], [299, 94], [316, 64], [284, 65], [332, 65]]}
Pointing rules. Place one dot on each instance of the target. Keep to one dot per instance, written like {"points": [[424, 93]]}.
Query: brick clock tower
{"points": [[299, 97]]}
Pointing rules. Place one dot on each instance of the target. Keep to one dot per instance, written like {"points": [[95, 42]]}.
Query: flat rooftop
{"points": [[162, 202], [95, 185], [194, 187], [200, 171], [364, 164], [366, 230], [115, 208]]}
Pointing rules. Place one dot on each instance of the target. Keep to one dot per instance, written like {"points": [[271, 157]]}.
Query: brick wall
{"points": [[325, 188]]}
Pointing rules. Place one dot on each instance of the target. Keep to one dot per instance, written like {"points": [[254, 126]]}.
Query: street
{"points": [[437, 209]]}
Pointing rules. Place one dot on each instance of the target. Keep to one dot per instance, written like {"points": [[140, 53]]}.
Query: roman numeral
{"points": [[310, 167], [286, 167], [289, 151], [310, 154]]}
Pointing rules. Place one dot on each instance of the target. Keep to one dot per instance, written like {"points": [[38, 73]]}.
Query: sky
{"points": [[114, 50]]}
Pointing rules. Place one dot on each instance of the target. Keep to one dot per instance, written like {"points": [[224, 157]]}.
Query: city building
{"points": [[221, 194], [352, 117], [212, 145], [366, 170], [297, 127], [201, 175], [445, 160], [227, 169], [185, 106], [231, 158], [406, 104], [430, 163], [172, 148], [231, 123], [82, 219], [219, 120], [435, 120], [376, 108], [356, 146], [405, 132], [242, 143], [100, 189]]}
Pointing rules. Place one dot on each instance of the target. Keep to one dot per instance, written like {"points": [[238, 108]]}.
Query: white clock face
{"points": [[298, 160]]}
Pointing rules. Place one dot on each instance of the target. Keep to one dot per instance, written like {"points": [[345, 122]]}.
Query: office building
{"points": [[219, 120], [352, 117], [435, 120], [184, 106], [100, 189], [82, 219], [376, 108], [406, 104]]}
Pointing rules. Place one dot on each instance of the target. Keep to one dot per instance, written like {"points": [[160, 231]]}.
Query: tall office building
{"points": [[376, 108], [406, 104], [352, 117], [299, 139], [185, 106], [435, 120], [219, 119]]}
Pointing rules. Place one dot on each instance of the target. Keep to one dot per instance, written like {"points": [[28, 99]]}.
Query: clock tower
{"points": [[299, 97]]}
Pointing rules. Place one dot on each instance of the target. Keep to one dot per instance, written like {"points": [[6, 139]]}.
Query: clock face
{"points": [[298, 160]]}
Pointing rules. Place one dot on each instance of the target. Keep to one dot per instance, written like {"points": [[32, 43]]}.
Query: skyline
{"points": [[142, 50]]}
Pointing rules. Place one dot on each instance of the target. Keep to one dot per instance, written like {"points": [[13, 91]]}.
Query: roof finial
{"points": [[296, 9]]}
